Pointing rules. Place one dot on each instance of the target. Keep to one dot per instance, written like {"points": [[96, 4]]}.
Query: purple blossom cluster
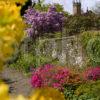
{"points": [[92, 73], [43, 22], [50, 76]]}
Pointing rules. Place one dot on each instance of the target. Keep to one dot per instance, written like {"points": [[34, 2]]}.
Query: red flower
{"points": [[50, 76], [92, 73], [36, 81]]}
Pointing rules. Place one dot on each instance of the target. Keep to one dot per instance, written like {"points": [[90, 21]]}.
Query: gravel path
{"points": [[17, 81]]}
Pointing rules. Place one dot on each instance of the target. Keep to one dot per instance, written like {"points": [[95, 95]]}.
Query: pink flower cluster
{"points": [[92, 73], [50, 76], [36, 80], [57, 77]]}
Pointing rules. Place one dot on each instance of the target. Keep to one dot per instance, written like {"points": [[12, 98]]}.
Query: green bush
{"points": [[27, 61], [91, 45], [85, 91], [87, 35], [74, 81], [81, 23], [24, 62], [25, 56], [78, 24], [69, 92], [89, 91]]}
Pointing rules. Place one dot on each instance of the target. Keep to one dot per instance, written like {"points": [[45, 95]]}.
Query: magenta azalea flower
{"points": [[92, 73], [50, 76]]}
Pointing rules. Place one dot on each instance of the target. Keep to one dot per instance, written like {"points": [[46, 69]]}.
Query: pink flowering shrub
{"points": [[50, 76], [92, 73]]}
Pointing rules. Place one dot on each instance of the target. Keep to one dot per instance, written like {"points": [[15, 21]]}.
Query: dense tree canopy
{"points": [[78, 24]]}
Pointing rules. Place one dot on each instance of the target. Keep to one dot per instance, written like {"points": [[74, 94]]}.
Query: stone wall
{"points": [[67, 51]]}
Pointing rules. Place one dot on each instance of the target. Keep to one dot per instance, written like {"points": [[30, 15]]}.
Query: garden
{"points": [[47, 53]]}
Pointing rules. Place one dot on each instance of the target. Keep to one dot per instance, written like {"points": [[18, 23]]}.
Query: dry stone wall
{"points": [[66, 50]]}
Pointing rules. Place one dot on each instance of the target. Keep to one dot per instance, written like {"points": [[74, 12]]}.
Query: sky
{"points": [[68, 6]]}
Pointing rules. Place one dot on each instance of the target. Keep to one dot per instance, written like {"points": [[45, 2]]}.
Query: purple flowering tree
{"points": [[41, 23]]}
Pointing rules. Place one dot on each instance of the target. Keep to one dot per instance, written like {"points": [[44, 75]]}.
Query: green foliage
{"points": [[60, 9], [41, 6], [58, 35], [26, 57], [25, 63], [78, 24], [40, 60], [89, 91], [87, 35], [69, 92], [85, 91], [74, 81], [91, 44]]}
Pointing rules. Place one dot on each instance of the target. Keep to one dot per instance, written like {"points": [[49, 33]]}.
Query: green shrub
{"points": [[74, 81], [27, 61], [89, 91], [69, 92], [91, 45], [87, 35], [24, 62], [85, 91], [78, 24]]}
